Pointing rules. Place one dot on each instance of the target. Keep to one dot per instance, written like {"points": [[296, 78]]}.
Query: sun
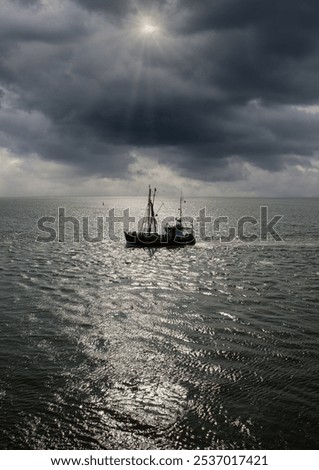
{"points": [[148, 29]]}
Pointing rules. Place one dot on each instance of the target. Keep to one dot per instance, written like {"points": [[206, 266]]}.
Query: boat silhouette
{"points": [[176, 235]]}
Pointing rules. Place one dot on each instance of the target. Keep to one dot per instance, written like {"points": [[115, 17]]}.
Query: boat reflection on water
{"points": [[152, 250]]}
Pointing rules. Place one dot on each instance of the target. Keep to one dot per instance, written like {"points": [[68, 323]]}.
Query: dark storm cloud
{"points": [[20, 23], [112, 7], [264, 49], [120, 9], [222, 14], [219, 89], [26, 3]]}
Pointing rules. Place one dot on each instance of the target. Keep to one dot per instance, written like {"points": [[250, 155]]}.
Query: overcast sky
{"points": [[103, 97]]}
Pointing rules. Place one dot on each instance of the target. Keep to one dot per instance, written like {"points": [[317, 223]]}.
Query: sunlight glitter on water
{"points": [[214, 346]]}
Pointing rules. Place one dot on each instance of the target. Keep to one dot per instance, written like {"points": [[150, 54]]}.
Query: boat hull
{"points": [[141, 239]]}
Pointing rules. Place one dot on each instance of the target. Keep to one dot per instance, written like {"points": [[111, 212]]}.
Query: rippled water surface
{"points": [[212, 346]]}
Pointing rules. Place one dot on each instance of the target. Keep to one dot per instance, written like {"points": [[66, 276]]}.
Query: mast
{"points": [[149, 207], [180, 210], [180, 206], [152, 211], [151, 221], [154, 196]]}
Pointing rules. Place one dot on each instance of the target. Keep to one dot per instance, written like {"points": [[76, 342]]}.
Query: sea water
{"points": [[210, 346]]}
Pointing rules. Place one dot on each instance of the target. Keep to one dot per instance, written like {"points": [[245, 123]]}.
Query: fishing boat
{"points": [[176, 235]]}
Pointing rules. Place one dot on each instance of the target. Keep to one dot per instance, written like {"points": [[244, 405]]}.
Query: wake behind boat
{"points": [[176, 235]]}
